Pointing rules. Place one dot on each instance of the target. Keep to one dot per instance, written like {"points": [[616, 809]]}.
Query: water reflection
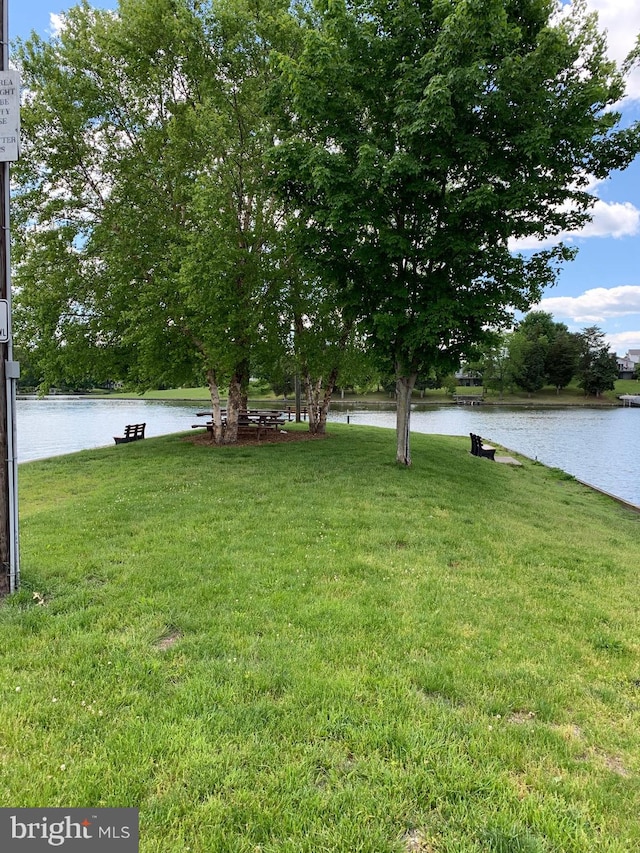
{"points": [[600, 446]]}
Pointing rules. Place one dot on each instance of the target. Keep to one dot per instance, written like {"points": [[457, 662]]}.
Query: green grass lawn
{"points": [[302, 648]]}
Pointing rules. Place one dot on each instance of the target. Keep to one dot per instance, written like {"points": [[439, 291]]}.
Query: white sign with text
{"points": [[9, 115], [4, 321]]}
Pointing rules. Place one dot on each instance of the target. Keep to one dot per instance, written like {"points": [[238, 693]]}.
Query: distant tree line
{"points": [[540, 352]]}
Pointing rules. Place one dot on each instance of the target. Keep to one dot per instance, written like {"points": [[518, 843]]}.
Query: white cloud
{"points": [[609, 219], [56, 23], [621, 21], [594, 306], [622, 342], [615, 219]]}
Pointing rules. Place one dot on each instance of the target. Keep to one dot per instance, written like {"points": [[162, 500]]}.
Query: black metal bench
{"points": [[132, 432], [480, 449]]}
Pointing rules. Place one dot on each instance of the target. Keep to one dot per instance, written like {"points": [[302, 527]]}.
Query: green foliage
{"points": [[209, 188], [493, 364], [562, 358], [527, 362], [597, 367], [542, 352], [142, 185], [418, 142]]}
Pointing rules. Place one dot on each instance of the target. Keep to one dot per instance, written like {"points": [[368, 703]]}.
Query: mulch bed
{"points": [[244, 440]]}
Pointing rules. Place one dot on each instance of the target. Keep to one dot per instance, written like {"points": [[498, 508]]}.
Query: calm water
{"points": [[599, 446]]}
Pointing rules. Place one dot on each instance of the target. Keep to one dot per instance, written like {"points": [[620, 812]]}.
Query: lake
{"points": [[599, 446]]}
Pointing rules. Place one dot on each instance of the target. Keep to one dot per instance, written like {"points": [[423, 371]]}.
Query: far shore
{"points": [[547, 397]]}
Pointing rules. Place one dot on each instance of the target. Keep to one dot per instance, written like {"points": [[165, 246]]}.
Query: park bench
{"points": [[132, 432], [480, 449]]}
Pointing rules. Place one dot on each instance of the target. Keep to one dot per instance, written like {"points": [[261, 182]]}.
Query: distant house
{"points": [[627, 364], [468, 378]]}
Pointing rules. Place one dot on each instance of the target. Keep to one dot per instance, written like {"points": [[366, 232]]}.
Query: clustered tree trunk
{"points": [[319, 399]]}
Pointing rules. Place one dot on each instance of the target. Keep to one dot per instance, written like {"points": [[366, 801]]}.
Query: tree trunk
{"points": [[404, 387], [243, 373], [235, 402], [217, 432], [318, 401]]}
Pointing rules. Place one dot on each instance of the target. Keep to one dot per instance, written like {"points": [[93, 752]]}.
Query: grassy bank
{"points": [[302, 648]]}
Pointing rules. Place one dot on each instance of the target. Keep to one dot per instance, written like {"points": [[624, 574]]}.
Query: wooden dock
{"points": [[630, 399], [468, 399]]}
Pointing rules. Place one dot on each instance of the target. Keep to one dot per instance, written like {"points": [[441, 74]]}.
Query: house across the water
{"points": [[627, 364]]}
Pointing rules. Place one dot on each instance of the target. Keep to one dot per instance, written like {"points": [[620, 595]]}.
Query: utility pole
{"points": [[9, 369]]}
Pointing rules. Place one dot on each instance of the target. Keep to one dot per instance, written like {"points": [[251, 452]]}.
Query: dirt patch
{"points": [[612, 763], [281, 436], [569, 731], [521, 717], [168, 640], [416, 841]]}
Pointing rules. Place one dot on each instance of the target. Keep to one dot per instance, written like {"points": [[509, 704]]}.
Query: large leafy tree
{"points": [[597, 367], [494, 365], [420, 140], [541, 352], [147, 232], [562, 358], [527, 361], [100, 194]]}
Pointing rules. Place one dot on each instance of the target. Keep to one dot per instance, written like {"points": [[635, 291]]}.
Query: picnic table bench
{"points": [[480, 449], [132, 432], [254, 421]]}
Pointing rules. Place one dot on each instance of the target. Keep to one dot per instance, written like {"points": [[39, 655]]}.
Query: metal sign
{"points": [[4, 321], [9, 116]]}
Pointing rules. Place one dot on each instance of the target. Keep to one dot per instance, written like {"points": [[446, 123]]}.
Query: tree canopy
{"points": [[207, 185], [542, 352], [597, 367], [422, 140], [141, 193]]}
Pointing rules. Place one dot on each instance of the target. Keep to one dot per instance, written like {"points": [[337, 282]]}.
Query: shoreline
{"points": [[351, 401]]}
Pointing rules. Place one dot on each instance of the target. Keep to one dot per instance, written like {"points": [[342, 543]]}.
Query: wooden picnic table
{"points": [[286, 411], [256, 420], [247, 412]]}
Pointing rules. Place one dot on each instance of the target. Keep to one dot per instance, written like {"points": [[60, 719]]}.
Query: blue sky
{"points": [[602, 286]]}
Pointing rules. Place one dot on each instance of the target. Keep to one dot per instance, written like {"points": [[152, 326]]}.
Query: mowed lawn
{"points": [[301, 648]]}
